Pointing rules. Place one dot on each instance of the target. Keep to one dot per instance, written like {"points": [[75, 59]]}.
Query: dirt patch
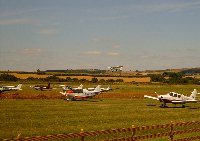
{"points": [[16, 95], [8, 95]]}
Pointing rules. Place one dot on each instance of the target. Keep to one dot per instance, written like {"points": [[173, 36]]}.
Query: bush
{"points": [[8, 77]]}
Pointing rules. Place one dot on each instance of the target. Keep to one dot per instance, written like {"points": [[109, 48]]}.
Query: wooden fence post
{"points": [[82, 137], [171, 131]]}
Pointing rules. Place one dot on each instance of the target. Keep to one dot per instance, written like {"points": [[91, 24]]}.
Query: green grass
{"points": [[43, 117], [34, 117]]}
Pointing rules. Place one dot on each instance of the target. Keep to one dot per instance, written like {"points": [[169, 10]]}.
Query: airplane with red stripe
{"points": [[175, 98], [81, 94]]}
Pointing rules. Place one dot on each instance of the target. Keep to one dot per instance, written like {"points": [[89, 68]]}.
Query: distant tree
{"points": [[94, 80], [102, 81], [175, 78], [157, 78], [52, 78], [119, 80], [68, 79], [8, 77], [83, 80], [110, 80], [40, 72], [74, 80]]}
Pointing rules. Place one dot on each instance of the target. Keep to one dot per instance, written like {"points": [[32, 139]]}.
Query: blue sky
{"points": [[95, 34]]}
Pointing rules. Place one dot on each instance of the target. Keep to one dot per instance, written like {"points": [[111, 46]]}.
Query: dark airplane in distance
{"points": [[43, 88]]}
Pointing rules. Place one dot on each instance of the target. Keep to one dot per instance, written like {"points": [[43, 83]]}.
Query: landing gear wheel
{"points": [[163, 105]]}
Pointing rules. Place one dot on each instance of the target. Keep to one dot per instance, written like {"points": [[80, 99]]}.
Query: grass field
{"points": [[30, 115]]}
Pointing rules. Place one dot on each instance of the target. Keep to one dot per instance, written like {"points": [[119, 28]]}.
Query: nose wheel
{"points": [[163, 105], [183, 106]]}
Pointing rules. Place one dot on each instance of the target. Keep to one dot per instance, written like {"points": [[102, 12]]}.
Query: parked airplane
{"points": [[101, 89], [10, 88], [175, 98], [4, 89], [106, 89], [81, 94], [116, 68], [64, 87], [18, 87], [42, 88]]}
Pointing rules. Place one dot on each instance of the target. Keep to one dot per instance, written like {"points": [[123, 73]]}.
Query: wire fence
{"points": [[182, 131]]}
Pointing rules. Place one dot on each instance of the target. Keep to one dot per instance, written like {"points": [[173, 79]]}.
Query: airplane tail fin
{"points": [[80, 87], [109, 88], [194, 93], [98, 88], [19, 87], [48, 87]]}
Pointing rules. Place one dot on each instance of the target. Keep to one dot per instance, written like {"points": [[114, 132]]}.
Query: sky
{"points": [[96, 34]]}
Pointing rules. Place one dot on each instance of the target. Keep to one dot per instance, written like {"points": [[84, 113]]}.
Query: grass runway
{"points": [[43, 117], [36, 117]]}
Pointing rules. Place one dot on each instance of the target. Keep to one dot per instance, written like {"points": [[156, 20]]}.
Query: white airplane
{"points": [[116, 68], [64, 87], [106, 89], [81, 94], [175, 98], [18, 87], [10, 88], [101, 89]]}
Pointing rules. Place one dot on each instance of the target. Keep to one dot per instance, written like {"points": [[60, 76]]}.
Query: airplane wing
{"points": [[178, 102], [185, 101], [155, 98], [192, 101]]}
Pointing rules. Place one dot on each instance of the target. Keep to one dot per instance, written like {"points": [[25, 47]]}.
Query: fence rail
{"points": [[133, 130]]}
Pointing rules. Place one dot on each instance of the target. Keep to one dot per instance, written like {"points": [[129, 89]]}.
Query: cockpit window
{"points": [[179, 96], [171, 94], [175, 95]]}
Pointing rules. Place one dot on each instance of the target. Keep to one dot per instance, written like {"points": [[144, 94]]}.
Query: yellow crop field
{"points": [[25, 76]]}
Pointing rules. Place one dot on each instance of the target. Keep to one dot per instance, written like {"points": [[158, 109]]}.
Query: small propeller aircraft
{"points": [[101, 89], [42, 88], [175, 98], [10, 88], [81, 94], [64, 87], [106, 89], [116, 68]]}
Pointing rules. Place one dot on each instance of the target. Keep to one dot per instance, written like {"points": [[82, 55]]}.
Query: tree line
{"points": [[173, 78], [166, 77], [55, 78]]}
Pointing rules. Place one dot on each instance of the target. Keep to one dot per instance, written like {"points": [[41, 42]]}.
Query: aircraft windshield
{"points": [[171, 94]]}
